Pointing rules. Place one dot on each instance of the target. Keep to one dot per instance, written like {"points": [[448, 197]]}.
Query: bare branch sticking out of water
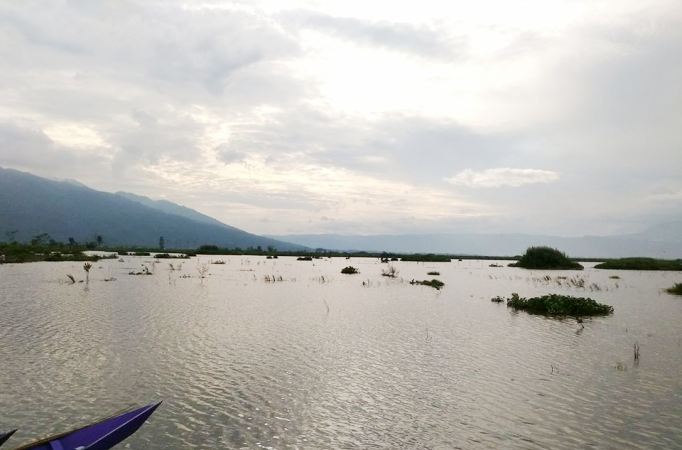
{"points": [[202, 269], [326, 305], [71, 278], [87, 266]]}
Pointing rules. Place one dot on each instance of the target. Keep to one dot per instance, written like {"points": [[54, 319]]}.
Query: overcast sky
{"points": [[356, 117]]}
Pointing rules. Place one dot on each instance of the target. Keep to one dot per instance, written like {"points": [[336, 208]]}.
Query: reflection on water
{"points": [[313, 358]]}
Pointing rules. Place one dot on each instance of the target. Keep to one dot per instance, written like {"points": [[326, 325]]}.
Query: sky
{"points": [[559, 117]]}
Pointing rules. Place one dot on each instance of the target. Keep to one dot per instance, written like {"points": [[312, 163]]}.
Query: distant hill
{"points": [[32, 205], [496, 244]]}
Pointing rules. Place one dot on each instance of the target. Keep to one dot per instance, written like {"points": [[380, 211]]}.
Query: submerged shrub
{"points": [[559, 305], [675, 290], [436, 284], [546, 258], [349, 270]]}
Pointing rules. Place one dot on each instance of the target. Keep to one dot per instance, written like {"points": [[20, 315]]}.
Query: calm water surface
{"points": [[324, 360]]}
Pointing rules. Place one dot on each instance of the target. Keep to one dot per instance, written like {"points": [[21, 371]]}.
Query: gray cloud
{"points": [[26, 147], [425, 41], [135, 44]]}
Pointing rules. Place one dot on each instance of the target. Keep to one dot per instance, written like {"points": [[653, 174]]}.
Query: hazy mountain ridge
{"points": [[495, 244], [173, 208], [31, 205]]}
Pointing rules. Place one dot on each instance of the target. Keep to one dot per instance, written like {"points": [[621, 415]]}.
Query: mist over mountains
{"points": [[30, 205], [664, 241]]}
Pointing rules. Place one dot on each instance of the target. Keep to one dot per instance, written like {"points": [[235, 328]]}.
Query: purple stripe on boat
{"points": [[102, 435]]}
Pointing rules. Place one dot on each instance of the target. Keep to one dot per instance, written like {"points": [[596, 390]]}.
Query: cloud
{"points": [[226, 106], [25, 146], [419, 40], [501, 177]]}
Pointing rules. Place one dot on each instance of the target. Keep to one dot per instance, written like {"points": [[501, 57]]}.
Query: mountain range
{"points": [[31, 205]]}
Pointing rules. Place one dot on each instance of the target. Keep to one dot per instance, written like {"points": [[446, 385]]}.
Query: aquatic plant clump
{"points": [[433, 273], [546, 258], [675, 290], [640, 264], [349, 270], [391, 272], [559, 305], [436, 284]]}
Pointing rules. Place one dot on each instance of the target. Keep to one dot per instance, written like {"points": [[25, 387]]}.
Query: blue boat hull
{"points": [[5, 436], [102, 435]]}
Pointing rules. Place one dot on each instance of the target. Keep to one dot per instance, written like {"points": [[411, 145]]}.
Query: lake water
{"points": [[325, 360]]}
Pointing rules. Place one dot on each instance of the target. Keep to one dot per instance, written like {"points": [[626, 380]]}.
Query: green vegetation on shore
{"points": [[558, 305], [675, 290], [428, 257], [641, 264], [23, 253], [49, 250], [546, 258]]}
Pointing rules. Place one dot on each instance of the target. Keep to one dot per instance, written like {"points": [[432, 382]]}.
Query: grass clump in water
{"points": [[675, 290], [436, 284], [391, 272], [546, 258], [433, 273], [559, 305], [641, 264], [349, 270]]}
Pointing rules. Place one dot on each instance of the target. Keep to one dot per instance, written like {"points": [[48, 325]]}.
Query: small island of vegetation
{"points": [[546, 258], [169, 256], [349, 270], [558, 305], [641, 264]]}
